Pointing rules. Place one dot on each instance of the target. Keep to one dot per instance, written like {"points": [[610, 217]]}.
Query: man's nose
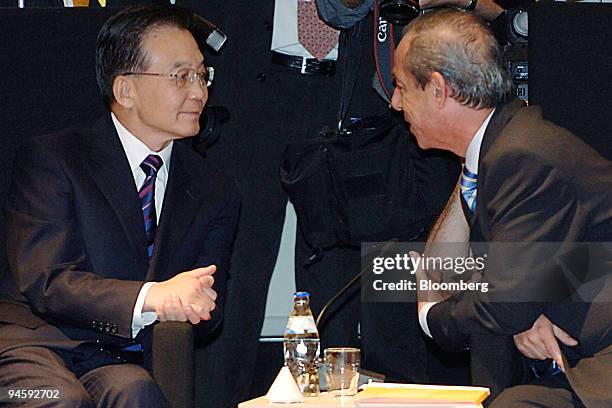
{"points": [[396, 100], [197, 90]]}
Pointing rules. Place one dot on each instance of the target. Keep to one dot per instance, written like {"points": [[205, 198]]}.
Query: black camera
{"points": [[512, 31], [398, 11]]}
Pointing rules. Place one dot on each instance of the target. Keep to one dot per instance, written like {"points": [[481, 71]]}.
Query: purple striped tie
{"points": [[150, 166]]}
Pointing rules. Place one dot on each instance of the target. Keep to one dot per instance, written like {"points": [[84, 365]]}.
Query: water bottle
{"points": [[302, 345]]}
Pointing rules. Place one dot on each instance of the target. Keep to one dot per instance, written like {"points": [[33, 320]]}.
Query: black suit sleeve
{"points": [[46, 250]]}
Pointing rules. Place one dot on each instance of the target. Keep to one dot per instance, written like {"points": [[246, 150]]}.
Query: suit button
{"points": [[261, 77], [267, 25]]}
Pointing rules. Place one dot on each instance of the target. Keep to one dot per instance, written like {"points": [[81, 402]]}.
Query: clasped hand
{"points": [[187, 296]]}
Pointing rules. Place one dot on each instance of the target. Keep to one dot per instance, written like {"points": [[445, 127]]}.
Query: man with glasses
{"points": [[113, 228]]}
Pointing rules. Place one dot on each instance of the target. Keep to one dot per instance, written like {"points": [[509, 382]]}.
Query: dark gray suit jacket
{"points": [[536, 183], [76, 242]]}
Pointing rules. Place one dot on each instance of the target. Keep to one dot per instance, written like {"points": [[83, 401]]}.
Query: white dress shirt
{"points": [[136, 151], [285, 32], [472, 155]]}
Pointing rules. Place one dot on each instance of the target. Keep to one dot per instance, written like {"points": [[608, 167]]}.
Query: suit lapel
{"points": [[181, 203], [503, 114], [111, 172]]}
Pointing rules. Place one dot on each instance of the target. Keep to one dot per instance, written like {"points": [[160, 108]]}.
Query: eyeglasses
{"points": [[184, 76]]}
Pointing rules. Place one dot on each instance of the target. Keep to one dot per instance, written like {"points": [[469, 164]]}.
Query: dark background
{"points": [[47, 83]]}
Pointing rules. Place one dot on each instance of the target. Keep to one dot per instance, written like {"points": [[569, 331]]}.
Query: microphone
{"points": [[356, 278], [338, 294], [365, 376], [212, 35]]}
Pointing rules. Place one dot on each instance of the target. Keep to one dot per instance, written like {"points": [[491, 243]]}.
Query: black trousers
{"points": [[104, 385]]}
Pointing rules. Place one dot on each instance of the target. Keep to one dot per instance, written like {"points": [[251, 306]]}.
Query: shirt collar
{"points": [[472, 154], [136, 151]]}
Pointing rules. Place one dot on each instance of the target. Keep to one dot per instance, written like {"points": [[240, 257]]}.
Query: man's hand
{"points": [[424, 297], [187, 296], [540, 342]]}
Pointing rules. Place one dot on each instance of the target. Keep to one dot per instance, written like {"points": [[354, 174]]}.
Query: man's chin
{"points": [[187, 131], [422, 143]]}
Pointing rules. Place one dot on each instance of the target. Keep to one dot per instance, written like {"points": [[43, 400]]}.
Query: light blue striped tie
{"points": [[468, 188]]}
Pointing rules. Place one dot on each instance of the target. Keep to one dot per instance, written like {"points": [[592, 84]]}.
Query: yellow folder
{"points": [[380, 394]]}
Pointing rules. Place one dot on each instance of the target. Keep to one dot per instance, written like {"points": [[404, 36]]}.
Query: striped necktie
{"points": [[468, 188], [150, 165]]}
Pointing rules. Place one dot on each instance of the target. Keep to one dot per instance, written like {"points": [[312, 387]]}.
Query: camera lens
{"points": [[520, 23], [398, 11]]}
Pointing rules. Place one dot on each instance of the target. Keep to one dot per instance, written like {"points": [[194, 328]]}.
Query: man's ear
{"points": [[437, 89], [123, 91]]}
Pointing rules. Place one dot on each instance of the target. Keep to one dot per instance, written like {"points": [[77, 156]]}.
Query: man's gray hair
{"points": [[463, 50]]}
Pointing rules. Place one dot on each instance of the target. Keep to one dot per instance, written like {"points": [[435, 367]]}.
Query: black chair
{"points": [[173, 362], [495, 363]]}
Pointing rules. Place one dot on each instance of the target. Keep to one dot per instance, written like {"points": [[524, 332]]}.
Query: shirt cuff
{"points": [[423, 317], [142, 319]]}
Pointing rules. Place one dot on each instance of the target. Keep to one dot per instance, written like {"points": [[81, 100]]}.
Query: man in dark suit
{"points": [[112, 228], [520, 184]]}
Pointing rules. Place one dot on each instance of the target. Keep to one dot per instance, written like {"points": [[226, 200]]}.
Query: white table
{"points": [[322, 401]]}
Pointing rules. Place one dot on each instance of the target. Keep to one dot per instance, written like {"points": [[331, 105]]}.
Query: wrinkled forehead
{"points": [[400, 54], [404, 46]]}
